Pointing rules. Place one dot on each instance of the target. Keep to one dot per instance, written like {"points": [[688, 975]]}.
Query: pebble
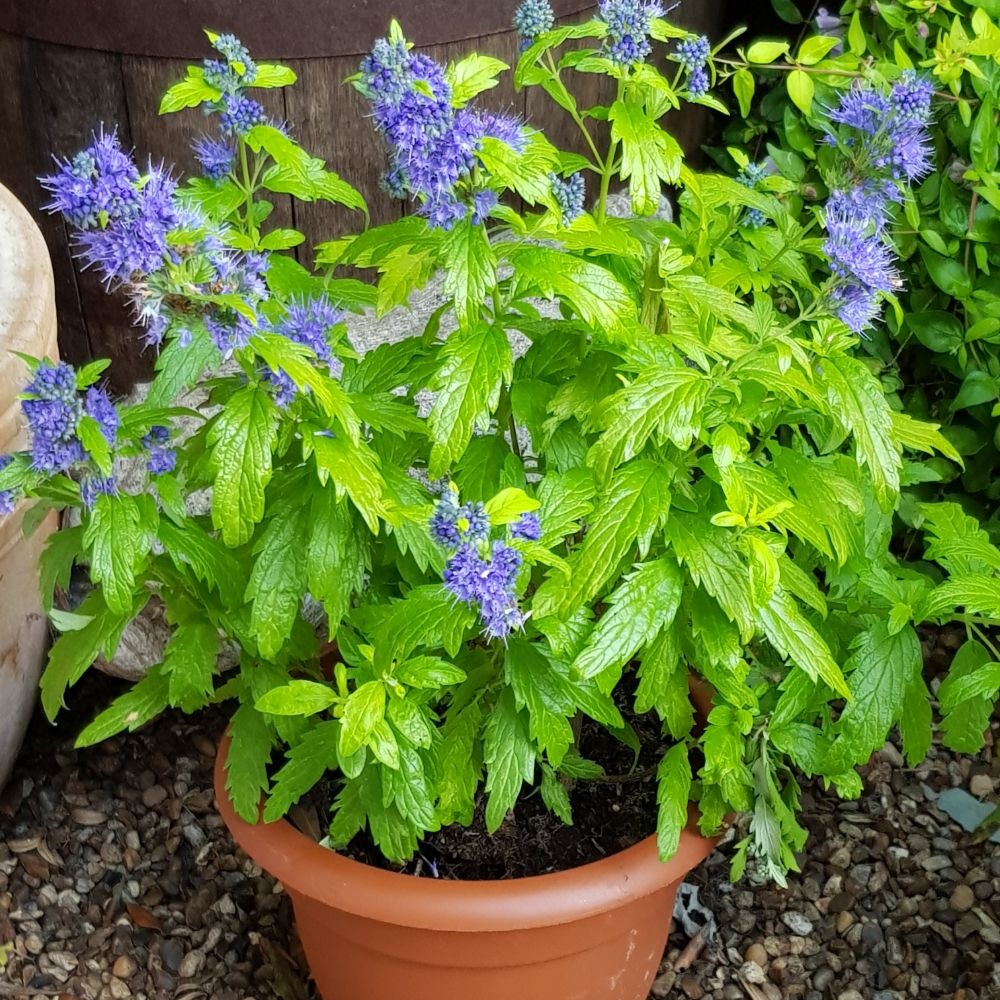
{"points": [[171, 954], [756, 953], [850, 995], [691, 988], [962, 898], [936, 863], [822, 977], [124, 967], [88, 817], [797, 923], [153, 796], [981, 785], [663, 984], [752, 973], [191, 964]]}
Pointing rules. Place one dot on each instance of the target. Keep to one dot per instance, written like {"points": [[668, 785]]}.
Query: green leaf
{"points": [[946, 273], [800, 89], [555, 796], [297, 697], [461, 764], [860, 404], [470, 273], [206, 557], [73, 652], [958, 542], [565, 500], [915, 722], [663, 403], [354, 471], [412, 721], [115, 541], [246, 764], [977, 387], [335, 558], [723, 742], [180, 366], [792, 635], [273, 75], [281, 239], [922, 436], [814, 48], [526, 172], [984, 138], [673, 790], [242, 439], [983, 682], [765, 52], [743, 89], [650, 156], [882, 669], [429, 672], [509, 504], [963, 728], [549, 706], [130, 711], [62, 549], [856, 40], [633, 507], [477, 362], [189, 663], [663, 684], [940, 331], [278, 578], [976, 592], [472, 75], [93, 440], [639, 608], [510, 759], [305, 764], [594, 292], [363, 711], [189, 92]]}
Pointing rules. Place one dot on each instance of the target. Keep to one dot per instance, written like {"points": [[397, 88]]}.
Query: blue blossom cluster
{"points": [[235, 70], [693, 55], [215, 156], [751, 176], [531, 19], [8, 498], [161, 458], [123, 218], [885, 143], [91, 487], [629, 23], [54, 407], [479, 572], [569, 195], [432, 145], [239, 274], [240, 114], [307, 322]]}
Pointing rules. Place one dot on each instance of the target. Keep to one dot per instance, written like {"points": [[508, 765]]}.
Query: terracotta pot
{"points": [[28, 325], [596, 932]]}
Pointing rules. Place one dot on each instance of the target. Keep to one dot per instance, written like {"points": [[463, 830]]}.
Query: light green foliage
{"points": [[715, 468]]}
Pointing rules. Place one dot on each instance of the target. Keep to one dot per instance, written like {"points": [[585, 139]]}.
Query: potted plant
{"points": [[682, 473]]}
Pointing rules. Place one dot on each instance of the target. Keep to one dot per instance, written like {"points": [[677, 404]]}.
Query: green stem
{"points": [[575, 115], [248, 189], [608, 169]]}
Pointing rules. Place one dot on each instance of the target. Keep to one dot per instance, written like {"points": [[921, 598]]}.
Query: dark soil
{"points": [[608, 816]]}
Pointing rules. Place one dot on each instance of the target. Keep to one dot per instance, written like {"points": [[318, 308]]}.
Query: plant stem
{"points": [[575, 115], [608, 169], [248, 189]]}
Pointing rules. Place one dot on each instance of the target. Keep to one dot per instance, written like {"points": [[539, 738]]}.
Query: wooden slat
{"points": [[23, 155]]}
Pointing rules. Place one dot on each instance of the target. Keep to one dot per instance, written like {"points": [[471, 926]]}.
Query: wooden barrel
{"points": [[66, 66], [28, 325]]}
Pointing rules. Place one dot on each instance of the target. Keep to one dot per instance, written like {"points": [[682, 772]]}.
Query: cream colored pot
{"points": [[28, 325]]}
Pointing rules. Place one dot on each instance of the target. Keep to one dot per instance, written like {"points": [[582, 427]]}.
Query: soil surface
{"points": [[118, 880]]}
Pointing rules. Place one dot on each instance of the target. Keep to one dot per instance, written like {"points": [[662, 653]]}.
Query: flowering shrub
{"points": [[938, 346], [686, 470]]}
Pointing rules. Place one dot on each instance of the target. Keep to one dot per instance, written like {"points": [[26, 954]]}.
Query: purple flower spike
{"points": [[8, 498], [528, 528]]}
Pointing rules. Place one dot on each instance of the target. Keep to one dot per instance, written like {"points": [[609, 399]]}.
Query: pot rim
{"points": [[330, 878], [305, 30]]}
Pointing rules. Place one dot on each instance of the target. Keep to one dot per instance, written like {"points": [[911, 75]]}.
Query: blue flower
{"points": [[751, 176], [8, 498], [531, 19], [629, 23], [53, 410], [483, 202], [240, 114], [444, 521], [473, 522], [214, 156], [692, 54], [234, 71], [98, 406], [911, 96], [569, 195], [97, 185], [162, 458], [432, 145], [91, 487], [489, 583], [527, 527], [856, 306], [309, 322]]}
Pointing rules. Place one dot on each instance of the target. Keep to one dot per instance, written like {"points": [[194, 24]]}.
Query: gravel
{"points": [[119, 880]]}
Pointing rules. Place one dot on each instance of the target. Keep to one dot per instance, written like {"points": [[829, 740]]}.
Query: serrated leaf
{"points": [[469, 269], [794, 637], [650, 156], [527, 172], [476, 363], [509, 757], [976, 592], [472, 75], [278, 578], [189, 661], [354, 470], [116, 542], [565, 499], [246, 763], [242, 439], [460, 765], [335, 558], [180, 365], [549, 705], [55, 564], [663, 684], [189, 92], [963, 728], [206, 557], [881, 669], [639, 608], [673, 791], [555, 796], [306, 763], [957, 541], [634, 505], [130, 711], [922, 436]]}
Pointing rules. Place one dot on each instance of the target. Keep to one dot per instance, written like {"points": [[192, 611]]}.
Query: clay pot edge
{"points": [[305, 867]]}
